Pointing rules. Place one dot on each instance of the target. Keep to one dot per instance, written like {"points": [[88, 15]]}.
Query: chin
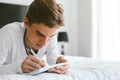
{"points": [[39, 47]]}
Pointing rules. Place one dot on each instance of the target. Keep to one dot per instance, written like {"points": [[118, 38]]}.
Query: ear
{"points": [[26, 22]]}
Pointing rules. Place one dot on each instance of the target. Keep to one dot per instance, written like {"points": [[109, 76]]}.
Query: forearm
{"points": [[13, 68]]}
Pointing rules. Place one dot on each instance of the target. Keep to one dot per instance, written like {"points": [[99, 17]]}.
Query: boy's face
{"points": [[37, 35]]}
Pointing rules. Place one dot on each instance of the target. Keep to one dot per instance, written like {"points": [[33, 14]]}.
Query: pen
{"points": [[33, 53]]}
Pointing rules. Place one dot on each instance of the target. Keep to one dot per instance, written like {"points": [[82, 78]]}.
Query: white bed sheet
{"points": [[81, 69]]}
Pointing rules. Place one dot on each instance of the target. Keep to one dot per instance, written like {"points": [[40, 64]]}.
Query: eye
{"points": [[39, 34], [52, 36]]}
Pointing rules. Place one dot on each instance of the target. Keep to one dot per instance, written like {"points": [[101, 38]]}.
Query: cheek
{"points": [[33, 38]]}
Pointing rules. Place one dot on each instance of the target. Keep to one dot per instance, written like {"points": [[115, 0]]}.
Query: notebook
{"points": [[45, 68]]}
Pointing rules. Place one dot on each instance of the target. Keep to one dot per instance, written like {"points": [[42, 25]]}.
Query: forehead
{"points": [[44, 29]]}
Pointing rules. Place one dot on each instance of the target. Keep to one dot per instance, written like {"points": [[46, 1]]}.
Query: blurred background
{"points": [[92, 27]]}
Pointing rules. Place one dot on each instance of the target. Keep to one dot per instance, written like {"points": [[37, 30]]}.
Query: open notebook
{"points": [[46, 68]]}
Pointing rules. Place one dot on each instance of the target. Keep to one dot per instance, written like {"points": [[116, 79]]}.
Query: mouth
{"points": [[39, 46]]}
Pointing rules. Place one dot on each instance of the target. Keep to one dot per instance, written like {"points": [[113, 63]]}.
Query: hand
{"points": [[31, 63], [60, 69]]}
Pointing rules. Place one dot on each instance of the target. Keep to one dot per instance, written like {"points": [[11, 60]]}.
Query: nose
{"points": [[44, 40]]}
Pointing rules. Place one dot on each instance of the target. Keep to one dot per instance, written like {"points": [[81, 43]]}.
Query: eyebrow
{"points": [[41, 34]]}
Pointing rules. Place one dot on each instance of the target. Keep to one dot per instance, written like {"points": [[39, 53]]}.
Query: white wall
{"points": [[84, 27], [78, 15], [70, 10]]}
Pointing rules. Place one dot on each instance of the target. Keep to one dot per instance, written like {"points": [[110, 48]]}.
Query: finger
{"points": [[28, 68], [56, 71], [40, 62], [29, 65], [61, 59], [60, 70], [33, 64], [63, 68], [63, 72], [43, 61], [31, 68]]}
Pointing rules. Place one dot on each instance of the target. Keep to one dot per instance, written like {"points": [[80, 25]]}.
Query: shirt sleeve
{"points": [[5, 49], [52, 51]]}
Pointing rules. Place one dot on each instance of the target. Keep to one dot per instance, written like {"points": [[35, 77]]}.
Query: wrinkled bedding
{"points": [[81, 68]]}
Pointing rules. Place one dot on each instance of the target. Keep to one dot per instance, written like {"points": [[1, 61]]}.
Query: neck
{"points": [[27, 43], [26, 39]]}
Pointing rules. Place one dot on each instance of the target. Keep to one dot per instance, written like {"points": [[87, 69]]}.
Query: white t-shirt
{"points": [[12, 49]]}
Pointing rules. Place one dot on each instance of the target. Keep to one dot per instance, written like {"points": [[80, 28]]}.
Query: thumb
{"points": [[61, 59]]}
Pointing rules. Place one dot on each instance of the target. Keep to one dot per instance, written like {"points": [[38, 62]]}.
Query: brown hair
{"points": [[45, 11]]}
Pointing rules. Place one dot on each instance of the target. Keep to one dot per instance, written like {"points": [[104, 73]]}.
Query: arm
{"points": [[52, 51], [60, 69], [5, 48], [53, 57]]}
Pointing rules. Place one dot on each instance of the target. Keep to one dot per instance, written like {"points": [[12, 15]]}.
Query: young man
{"points": [[38, 31]]}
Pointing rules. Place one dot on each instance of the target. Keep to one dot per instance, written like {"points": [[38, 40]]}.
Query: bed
{"points": [[81, 68]]}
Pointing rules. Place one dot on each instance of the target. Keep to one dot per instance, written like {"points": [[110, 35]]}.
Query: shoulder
{"points": [[12, 29], [52, 43], [53, 40], [11, 32]]}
